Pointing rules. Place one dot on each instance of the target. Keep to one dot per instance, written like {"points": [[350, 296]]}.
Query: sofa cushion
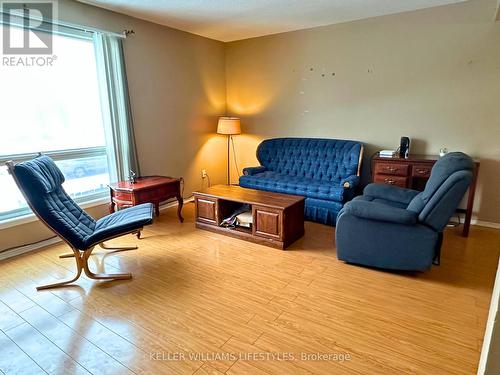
{"points": [[327, 160], [273, 181]]}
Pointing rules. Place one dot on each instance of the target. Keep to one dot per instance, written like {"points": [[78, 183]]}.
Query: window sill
{"points": [[29, 218]]}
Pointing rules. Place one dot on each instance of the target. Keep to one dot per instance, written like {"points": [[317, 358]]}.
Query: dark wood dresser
{"points": [[413, 173]]}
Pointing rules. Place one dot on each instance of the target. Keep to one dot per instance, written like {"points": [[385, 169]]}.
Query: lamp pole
{"points": [[229, 126], [229, 136]]}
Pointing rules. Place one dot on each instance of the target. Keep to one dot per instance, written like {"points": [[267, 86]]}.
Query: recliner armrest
{"points": [[381, 212], [250, 171], [390, 193], [350, 182]]}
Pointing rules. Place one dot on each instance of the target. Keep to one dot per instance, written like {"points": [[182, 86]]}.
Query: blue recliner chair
{"points": [[40, 181], [325, 171], [401, 229]]}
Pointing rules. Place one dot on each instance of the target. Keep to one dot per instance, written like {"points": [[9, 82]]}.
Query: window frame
{"points": [[69, 154], [25, 215]]}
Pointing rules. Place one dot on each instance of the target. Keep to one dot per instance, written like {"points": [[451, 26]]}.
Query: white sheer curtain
{"points": [[115, 100]]}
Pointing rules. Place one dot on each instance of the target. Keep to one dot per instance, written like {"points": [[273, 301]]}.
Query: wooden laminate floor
{"points": [[201, 303]]}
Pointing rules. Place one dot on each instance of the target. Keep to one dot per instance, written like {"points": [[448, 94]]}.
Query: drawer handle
{"points": [[389, 181], [391, 169], [422, 171]]}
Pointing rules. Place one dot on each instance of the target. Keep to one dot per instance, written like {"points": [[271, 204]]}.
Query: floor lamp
{"points": [[229, 126]]}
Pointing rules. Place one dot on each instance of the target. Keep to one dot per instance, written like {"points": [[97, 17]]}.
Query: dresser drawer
{"points": [[391, 180], [395, 169], [421, 170]]}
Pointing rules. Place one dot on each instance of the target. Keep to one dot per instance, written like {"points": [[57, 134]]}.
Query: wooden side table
{"points": [[413, 172], [150, 189]]}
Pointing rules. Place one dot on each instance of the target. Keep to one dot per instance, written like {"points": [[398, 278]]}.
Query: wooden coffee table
{"points": [[278, 219]]}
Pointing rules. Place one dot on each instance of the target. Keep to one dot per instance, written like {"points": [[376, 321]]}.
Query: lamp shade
{"points": [[229, 125]]}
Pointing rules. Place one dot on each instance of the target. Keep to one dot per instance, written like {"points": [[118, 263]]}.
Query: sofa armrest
{"points": [[390, 193], [250, 171], [350, 182], [380, 212]]}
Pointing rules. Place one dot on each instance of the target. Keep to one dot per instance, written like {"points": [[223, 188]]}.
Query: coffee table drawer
{"points": [[206, 210], [267, 222]]}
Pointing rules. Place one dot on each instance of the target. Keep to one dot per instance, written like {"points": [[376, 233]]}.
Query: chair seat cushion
{"points": [[273, 181], [380, 200], [120, 222]]}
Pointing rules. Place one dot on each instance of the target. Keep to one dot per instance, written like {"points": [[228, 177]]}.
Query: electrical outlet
{"points": [[203, 173]]}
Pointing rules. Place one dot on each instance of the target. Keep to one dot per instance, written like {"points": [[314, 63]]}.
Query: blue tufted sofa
{"points": [[325, 171]]}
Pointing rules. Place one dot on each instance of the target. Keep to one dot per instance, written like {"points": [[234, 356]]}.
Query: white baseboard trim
{"points": [[174, 203], [51, 241], [487, 224], [27, 248]]}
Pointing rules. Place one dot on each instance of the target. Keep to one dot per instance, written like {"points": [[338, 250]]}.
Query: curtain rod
{"points": [[74, 26], [123, 34]]}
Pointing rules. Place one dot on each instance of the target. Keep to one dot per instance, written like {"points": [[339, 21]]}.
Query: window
{"points": [[55, 110]]}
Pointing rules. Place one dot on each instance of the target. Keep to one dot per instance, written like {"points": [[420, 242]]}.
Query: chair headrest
{"points": [[40, 173], [444, 168]]}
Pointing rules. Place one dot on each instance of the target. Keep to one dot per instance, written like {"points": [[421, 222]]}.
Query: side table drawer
{"points": [[160, 194], [148, 195], [267, 222], [395, 169], [122, 197], [391, 180], [206, 210]]}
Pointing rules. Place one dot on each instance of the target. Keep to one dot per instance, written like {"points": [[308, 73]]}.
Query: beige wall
{"points": [[433, 75], [177, 90]]}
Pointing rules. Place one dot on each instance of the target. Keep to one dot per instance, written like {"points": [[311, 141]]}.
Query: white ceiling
{"points": [[229, 20]]}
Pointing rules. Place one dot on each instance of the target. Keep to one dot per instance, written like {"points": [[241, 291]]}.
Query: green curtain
{"points": [[117, 114]]}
